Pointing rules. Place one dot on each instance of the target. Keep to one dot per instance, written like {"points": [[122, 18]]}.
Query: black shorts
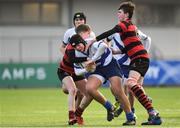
{"points": [[140, 65], [62, 74]]}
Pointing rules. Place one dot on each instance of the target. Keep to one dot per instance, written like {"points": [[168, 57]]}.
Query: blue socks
{"points": [[108, 105], [130, 116]]}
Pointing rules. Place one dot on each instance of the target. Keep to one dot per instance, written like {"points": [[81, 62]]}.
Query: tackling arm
{"points": [[108, 33], [99, 51]]}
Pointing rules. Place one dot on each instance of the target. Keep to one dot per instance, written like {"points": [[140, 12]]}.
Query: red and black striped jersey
{"points": [[69, 58], [133, 46], [66, 64]]}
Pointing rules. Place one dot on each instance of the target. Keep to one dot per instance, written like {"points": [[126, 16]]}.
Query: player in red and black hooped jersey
{"points": [[139, 58], [133, 46], [72, 82], [69, 58]]}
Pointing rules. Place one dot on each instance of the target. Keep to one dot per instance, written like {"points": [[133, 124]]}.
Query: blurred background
{"points": [[32, 30]]}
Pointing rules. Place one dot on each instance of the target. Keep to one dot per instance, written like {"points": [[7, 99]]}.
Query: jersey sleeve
{"points": [[146, 40], [74, 58], [141, 35], [67, 35], [106, 34], [79, 69], [100, 50], [66, 38]]}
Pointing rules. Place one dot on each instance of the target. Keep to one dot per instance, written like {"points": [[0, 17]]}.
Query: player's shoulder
{"points": [[98, 43], [92, 34], [89, 39], [70, 31], [125, 23], [115, 35], [69, 47]]}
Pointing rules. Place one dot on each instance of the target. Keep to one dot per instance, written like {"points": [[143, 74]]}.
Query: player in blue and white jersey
{"points": [[78, 19], [107, 68]]}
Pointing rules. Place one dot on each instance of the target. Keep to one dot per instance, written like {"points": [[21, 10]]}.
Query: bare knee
{"points": [[131, 82], [64, 89], [79, 94], [90, 89]]}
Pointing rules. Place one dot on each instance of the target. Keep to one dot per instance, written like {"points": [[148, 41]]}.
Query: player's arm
{"points": [[74, 58], [62, 48], [147, 43], [106, 34], [101, 49], [146, 40], [80, 69], [64, 42]]}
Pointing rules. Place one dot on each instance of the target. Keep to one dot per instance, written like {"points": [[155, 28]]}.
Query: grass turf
{"points": [[48, 108]]}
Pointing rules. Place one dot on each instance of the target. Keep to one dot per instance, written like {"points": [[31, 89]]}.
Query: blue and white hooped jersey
{"points": [[122, 59], [79, 68], [99, 49], [103, 59]]}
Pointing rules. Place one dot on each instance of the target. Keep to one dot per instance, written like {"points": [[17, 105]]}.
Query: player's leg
{"points": [[93, 83], [139, 93], [140, 81], [64, 89], [118, 91], [81, 85], [78, 98], [83, 105], [131, 96], [125, 72], [119, 110], [68, 87], [71, 87], [80, 82], [137, 89]]}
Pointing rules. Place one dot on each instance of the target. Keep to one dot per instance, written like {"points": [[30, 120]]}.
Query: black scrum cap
{"points": [[76, 39]]}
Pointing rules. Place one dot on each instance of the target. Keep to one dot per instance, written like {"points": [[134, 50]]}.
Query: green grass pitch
{"points": [[48, 108]]}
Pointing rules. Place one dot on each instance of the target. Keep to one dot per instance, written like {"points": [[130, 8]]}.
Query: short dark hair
{"points": [[127, 7], [82, 28]]}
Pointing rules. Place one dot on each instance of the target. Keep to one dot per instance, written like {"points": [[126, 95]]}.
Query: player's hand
{"points": [[91, 67], [89, 62]]}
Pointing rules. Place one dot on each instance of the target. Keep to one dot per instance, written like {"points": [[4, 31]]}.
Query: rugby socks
{"points": [[79, 111], [130, 116], [142, 98], [108, 105], [71, 115], [152, 112]]}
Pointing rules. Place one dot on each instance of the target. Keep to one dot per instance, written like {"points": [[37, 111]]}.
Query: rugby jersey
{"points": [[132, 44]]}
